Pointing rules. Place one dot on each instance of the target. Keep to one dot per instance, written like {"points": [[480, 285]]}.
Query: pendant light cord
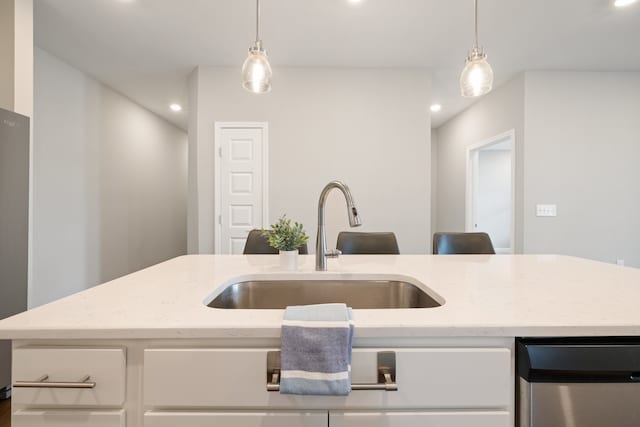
{"points": [[257, 21], [475, 13]]}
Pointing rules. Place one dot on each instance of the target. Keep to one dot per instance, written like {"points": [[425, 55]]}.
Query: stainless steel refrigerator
{"points": [[14, 222]]}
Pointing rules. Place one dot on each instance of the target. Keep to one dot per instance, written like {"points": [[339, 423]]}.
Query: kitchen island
{"points": [[158, 356]]}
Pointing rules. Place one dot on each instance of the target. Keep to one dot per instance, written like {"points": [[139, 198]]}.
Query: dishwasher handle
{"points": [[595, 362], [555, 376]]}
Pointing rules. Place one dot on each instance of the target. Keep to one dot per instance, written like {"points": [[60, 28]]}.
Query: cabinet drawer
{"points": [[62, 418], [426, 378], [420, 419], [235, 419], [105, 366]]}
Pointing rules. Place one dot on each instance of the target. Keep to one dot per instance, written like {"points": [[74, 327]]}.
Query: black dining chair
{"points": [[462, 243], [379, 243], [257, 244]]}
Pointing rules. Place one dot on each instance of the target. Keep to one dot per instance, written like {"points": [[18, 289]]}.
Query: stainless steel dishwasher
{"points": [[578, 382]]}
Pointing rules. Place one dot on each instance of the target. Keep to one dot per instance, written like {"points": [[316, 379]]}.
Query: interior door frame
{"points": [[218, 128], [471, 178]]}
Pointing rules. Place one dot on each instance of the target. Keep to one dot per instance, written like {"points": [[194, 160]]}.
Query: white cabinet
{"points": [[332, 419], [169, 383], [427, 378], [235, 419], [420, 419], [104, 366], [205, 377], [67, 418]]}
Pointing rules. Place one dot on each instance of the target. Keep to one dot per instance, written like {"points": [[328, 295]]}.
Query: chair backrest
{"points": [[257, 244], [462, 243], [350, 242]]}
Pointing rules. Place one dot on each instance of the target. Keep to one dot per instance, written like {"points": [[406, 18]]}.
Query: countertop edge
{"points": [[274, 333]]}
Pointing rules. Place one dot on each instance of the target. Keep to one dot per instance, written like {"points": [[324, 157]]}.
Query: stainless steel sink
{"points": [[278, 294]]}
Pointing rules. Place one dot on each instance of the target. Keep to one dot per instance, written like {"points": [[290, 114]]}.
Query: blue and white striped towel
{"points": [[316, 350]]}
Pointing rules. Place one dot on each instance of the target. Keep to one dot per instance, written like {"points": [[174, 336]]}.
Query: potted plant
{"points": [[286, 238]]}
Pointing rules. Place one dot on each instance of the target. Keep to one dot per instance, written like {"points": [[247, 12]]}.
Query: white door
{"points": [[241, 183], [493, 195], [490, 190]]}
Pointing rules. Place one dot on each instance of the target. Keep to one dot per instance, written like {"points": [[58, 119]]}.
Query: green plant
{"points": [[285, 236]]}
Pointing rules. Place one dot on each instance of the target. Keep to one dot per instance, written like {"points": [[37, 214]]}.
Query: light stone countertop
{"points": [[485, 295]]}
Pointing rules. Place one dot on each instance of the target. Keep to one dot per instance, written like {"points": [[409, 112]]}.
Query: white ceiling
{"points": [[145, 49]]}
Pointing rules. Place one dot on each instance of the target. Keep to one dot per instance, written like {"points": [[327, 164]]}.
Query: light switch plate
{"points": [[546, 210]]}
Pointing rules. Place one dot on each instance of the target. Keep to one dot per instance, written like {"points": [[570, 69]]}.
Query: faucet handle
{"points": [[334, 253]]}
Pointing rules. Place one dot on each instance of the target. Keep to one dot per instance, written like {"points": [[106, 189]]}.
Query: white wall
{"points": [[368, 127], [110, 184], [434, 183], [582, 150], [498, 112], [193, 223], [578, 145]]}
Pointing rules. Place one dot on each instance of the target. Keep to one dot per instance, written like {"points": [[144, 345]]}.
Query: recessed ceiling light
{"points": [[622, 3], [175, 107], [355, 1], [436, 107]]}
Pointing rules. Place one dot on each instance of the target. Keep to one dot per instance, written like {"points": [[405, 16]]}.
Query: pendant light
{"points": [[256, 71], [477, 77]]}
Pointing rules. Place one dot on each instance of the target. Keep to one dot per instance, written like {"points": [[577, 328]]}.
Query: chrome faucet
{"points": [[321, 239]]}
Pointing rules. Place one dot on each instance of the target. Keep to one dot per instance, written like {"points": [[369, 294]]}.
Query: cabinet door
{"points": [[63, 418], [420, 419], [434, 378], [104, 366], [235, 419]]}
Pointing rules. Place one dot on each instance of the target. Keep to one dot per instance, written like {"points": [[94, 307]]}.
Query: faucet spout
{"points": [[321, 239]]}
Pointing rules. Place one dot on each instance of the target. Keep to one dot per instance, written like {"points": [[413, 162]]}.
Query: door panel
{"points": [[65, 418], [420, 419], [242, 185], [435, 378], [493, 209], [235, 419], [105, 366], [584, 404]]}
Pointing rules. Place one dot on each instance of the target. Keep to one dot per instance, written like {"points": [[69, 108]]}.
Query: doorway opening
{"points": [[490, 190], [241, 183]]}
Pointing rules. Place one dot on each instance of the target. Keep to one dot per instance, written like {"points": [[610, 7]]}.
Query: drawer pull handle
{"points": [[386, 373], [43, 383]]}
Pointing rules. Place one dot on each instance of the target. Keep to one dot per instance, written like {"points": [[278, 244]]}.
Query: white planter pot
{"points": [[289, 260]]}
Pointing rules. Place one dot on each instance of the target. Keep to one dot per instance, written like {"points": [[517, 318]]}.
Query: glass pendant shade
{"points": [[256, 71], [477, 76]]}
